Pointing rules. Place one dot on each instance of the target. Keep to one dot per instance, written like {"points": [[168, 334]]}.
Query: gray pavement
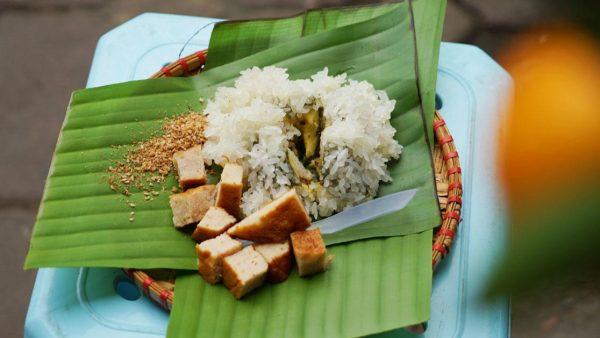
{"points": [[46, 47]]}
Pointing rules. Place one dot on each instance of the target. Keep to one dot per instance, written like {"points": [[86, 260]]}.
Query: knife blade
{"points": [[365, 212]]}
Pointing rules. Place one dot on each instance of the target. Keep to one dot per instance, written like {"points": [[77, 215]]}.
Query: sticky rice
{"points": [[251, 124]]}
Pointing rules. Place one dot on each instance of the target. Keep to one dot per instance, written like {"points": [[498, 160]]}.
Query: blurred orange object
{"points": [[550, 142]]}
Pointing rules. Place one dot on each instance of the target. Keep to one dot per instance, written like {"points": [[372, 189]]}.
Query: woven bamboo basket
{"points": [[158, 285]]}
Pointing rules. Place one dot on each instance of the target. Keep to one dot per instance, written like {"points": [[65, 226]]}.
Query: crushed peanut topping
{"points": [[149, 162]]}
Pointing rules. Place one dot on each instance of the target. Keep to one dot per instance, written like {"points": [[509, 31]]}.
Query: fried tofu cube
{"points": [[190, 167], [274, 222], [215, 222], [190, 206], [310, 252], [244, 271], [279, 258], [229, 189], [211, 254]]}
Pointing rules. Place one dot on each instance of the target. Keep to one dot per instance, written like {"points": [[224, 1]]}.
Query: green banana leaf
{"points": [[373, 286], [428, 34], [328, 310], [82, 223], [203, 310], [233, 40]]}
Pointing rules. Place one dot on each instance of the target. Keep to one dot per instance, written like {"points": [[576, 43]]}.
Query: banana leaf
{"points": [[344, 301], [373, 286], [428, 34], [82, 223], [233, 40]]}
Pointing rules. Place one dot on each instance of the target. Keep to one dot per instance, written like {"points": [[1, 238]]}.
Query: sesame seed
{"points": [[147, 164]]}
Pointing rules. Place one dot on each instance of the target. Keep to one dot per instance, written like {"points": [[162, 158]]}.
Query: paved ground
{"points": [[46, 48]]}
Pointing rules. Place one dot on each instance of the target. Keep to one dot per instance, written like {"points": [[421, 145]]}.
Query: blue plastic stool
{"points": [[91, 302]]}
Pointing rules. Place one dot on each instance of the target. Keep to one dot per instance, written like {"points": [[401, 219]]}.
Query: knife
{"points": [[365, 212]]}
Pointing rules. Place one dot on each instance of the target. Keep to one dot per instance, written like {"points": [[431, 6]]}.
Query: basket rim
{"points": [[442, 238]]}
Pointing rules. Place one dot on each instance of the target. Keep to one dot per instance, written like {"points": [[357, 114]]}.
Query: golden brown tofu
{"points": [[244, 272], [215, 222], [279, 258], [190, 206], [274, 222], [310, 252], [211, 254], [229, 189], [190, 167]]}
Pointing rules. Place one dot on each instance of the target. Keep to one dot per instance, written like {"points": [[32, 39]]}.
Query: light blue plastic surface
{"points": [[83, 302]]}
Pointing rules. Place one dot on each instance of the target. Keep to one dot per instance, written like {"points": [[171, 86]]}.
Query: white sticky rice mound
{"points": [[246, 125]]}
